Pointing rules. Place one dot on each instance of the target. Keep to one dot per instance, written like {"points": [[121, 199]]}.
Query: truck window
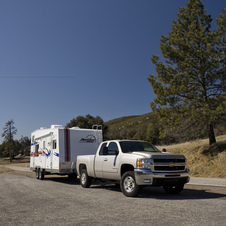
{"points": [[112, 148], [131, 146], [101, 149]]}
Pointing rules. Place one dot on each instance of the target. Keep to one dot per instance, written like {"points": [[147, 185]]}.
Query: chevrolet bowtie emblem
{"points": [[171, 164]]}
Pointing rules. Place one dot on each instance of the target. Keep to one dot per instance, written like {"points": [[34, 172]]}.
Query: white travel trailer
{"points": [[55, 149]]}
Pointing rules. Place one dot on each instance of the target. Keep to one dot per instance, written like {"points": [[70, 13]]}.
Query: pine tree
{"points": [[8, 132], [191, 82]]}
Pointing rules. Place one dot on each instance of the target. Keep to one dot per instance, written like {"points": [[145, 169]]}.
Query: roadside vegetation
{"points": [[203, 160], [4, 169]]}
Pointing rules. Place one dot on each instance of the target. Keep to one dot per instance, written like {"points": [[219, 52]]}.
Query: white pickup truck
{"points": [[133, 164]]}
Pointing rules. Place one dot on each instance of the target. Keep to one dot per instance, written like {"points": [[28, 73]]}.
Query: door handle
{"points": [[105, 159]]}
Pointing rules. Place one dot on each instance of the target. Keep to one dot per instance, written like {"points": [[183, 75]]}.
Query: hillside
{"points": [[203, 160], [129, 127], [147, 127]]}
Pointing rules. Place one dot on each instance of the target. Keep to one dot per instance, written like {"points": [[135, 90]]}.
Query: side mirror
{"points": [[163, 150], [105, 151], [116, 152]]}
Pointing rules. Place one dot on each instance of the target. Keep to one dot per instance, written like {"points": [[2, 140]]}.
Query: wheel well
{"points": [[81, 167], [125, 168]]}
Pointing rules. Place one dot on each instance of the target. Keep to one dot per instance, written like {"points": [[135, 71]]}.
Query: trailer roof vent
{"points": [[56, 126], [43, 128], [75, 127]]}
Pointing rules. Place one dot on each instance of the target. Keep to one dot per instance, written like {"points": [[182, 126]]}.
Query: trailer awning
{"points": [[42, 136]]}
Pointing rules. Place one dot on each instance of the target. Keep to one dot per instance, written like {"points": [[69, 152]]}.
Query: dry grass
{"points": [[203, 160], [21, 162], [4, 169]]}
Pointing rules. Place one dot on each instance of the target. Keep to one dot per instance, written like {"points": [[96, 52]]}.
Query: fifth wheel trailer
{"points": [[55, 149]]}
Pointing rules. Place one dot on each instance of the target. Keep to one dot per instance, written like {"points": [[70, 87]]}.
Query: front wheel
{"points": [[129, 186], [85, 180], [173, 189]]}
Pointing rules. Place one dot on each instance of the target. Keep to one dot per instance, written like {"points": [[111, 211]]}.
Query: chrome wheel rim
{"points": [[129, 184], [83, 178]]}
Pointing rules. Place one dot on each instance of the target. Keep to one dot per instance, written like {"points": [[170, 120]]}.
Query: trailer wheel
{"points": [[173, 189], [41, 174], [85, 180], [37, 174], [129, 186]]}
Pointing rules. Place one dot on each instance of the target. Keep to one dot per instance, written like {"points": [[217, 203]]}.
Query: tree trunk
{"points": [[212, 139]]}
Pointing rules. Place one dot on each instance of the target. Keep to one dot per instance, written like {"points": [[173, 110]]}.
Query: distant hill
{"points": [[130, 127], [147, 127]]}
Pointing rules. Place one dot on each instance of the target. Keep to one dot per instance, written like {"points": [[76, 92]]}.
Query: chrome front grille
{"points": [[169, 165]]}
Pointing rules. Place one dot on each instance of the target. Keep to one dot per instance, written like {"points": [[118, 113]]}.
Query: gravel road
{"points": [[58, 201]]}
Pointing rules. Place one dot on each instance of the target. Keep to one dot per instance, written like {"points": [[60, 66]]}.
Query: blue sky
{"points": [[64, 58]]}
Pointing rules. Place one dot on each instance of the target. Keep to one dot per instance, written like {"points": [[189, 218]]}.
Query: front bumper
{"points": [[147, 177]]}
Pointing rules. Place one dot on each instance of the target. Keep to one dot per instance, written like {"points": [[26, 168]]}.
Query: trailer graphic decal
{"points": [[35, 143], [56, 154], [89, 139], [48, 152]]}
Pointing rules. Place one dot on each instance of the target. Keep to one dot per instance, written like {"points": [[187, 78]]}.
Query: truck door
{"points": [[99, 159], [110, 163]]}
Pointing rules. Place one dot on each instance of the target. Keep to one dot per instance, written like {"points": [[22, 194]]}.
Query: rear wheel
{"points": [[41, 174], [129, 186], [173, 189], [85, 180], [37, 173]]}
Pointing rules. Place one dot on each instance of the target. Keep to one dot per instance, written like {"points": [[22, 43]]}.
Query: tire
{"points": [[173, 189], [37, 173], [85, 180], [41, 174], [129, 186]]}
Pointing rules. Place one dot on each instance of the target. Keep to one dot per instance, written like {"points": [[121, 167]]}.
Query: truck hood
{"points": [[157, 155]]}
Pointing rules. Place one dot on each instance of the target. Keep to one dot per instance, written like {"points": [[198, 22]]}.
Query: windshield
{"points": [[138, 146]]}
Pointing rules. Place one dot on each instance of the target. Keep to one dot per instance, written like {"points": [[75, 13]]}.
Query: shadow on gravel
{"points": [[159, 193], [62, 179], [189, 192], [186, 194]]}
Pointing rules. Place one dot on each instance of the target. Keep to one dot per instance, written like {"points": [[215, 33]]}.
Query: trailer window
{"points": [[44, 145], [36, 149], [54, 144]]}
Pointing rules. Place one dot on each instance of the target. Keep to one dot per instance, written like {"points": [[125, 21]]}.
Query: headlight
{"points": [[144, 163]]}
